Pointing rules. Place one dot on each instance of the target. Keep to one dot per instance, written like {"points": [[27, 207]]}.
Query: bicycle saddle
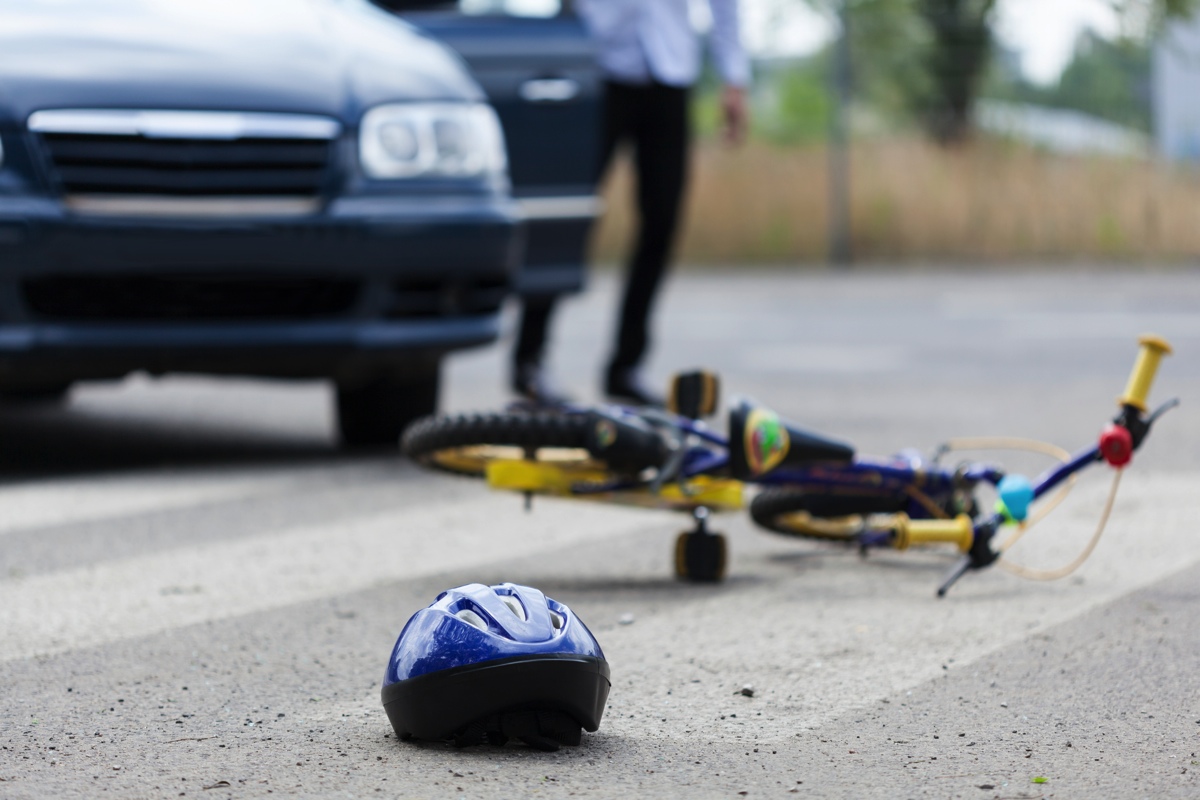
{"points": [[759, 441]]}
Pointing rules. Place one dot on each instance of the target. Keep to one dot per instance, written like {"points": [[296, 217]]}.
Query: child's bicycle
{"points": [[812, 486]]}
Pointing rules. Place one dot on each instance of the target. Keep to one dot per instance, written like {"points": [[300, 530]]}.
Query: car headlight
{"points": [[411, 140]]}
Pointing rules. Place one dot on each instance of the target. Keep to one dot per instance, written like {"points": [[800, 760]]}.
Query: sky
{"points": [[1043, 31]]}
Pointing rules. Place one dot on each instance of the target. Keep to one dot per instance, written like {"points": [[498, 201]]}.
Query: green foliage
{"points": [[792, 105], [929, 59], [1142, 19], [962, 42], [1107, 79], [890, 45], [706, 109]]}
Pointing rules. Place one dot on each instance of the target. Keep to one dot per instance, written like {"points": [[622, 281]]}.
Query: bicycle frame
{"points": [[894, 475], [701, 455], [695, 479]]}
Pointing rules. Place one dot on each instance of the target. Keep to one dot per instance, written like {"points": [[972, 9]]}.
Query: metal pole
{"points": [[840, 250]]}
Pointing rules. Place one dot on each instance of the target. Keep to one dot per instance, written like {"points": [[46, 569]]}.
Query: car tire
{"points": [[374, 413], [50, 394]]}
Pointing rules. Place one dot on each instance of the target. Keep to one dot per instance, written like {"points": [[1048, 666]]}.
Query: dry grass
{"points": [[912, 201]]}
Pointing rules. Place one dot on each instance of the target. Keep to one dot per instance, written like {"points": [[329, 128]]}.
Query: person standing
{"points": [[649, 55]]}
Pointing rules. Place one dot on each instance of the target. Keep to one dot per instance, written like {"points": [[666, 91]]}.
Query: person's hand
{"points": [[736, 115]]}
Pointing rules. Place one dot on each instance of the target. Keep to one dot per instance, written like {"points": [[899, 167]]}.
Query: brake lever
{"points": [[1158, 412]]}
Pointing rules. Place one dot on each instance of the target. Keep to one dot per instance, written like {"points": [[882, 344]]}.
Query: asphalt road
{"points": [[198, 593]]}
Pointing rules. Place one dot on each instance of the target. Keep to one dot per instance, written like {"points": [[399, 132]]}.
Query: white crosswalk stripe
{"points": [[109, 601], [147, 594], [842, 636], [90, 499]]}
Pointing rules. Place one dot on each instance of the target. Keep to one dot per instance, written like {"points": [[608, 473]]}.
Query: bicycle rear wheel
{"points": [[465, 444], [794, 512]]}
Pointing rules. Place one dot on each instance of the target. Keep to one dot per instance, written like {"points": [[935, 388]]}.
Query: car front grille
{"points": [[98, 298], [179, 167], [186, 153]]}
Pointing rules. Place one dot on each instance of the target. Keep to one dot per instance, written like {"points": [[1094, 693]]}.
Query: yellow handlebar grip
{"points": [[1138, 388], [959, 531]]}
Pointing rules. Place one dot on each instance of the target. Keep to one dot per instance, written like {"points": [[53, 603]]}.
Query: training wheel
{"points": [[700, 557]]}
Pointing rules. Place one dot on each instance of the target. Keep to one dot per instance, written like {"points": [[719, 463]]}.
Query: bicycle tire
{"points": [[794, 512], [464, 444]]}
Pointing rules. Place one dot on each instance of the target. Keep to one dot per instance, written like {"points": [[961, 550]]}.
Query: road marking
{"points": [[844, 634], [824, 635], [70, 500], [109, 601], [818, 636]]}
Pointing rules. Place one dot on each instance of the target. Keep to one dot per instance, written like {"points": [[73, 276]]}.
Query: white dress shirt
{"points": [[645, 40]]}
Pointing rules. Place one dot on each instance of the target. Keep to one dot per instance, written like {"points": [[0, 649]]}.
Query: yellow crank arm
{"points": [[719, 494], [519, 475]]}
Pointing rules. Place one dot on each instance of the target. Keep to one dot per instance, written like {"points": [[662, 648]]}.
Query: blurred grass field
{"points": [[912, 201]]}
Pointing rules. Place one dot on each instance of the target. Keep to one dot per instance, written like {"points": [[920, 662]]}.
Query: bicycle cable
{"points": [[1027, 445], [1054, 451], [1062, 572]]}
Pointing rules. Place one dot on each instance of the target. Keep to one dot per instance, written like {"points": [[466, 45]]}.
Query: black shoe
{"points": [[624, 384], [529, 381]]}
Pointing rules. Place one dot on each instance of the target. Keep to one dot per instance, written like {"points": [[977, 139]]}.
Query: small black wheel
{"points": [[816, 516], [374, 413], [700, 557]]}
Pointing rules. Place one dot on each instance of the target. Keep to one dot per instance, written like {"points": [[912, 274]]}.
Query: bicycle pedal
{"points": [[694, 395]]}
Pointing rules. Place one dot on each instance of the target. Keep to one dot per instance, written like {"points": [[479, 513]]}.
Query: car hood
{"points": [[330, 57]]}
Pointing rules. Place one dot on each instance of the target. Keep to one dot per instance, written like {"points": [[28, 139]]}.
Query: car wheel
{"points": [[374, 413], [42, 395]]}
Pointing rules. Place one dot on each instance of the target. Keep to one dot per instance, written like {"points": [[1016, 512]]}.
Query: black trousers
{"points": [[653, 119]]}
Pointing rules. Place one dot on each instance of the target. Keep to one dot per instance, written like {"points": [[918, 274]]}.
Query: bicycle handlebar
{"points": [[1116, 446], [1153, 348], [959, 531]]}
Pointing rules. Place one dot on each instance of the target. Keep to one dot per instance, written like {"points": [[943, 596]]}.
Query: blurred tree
{"points": [[931, 56], [802, 106], [889, 43], [958, 54], [1109, 79], [1143, 19]]}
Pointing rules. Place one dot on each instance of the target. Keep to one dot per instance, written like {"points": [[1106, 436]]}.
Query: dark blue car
{"points": [[286, 188]]}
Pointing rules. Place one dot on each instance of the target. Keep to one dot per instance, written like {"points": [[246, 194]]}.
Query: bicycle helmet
{"points": [[493, 663]]}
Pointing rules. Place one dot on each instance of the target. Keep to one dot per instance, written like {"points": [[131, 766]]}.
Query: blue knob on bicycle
{"points": [[1016, 494]]}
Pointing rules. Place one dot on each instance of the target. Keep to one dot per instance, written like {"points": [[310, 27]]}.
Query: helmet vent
{"points": [[514, 606], [471, 618], [557, 620]]}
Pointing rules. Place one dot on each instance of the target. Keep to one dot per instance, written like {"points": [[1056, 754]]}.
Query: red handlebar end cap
{"points": [[1116, 445]]}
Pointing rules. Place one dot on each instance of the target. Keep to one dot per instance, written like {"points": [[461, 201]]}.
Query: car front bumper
{"points": [[416, 277]]}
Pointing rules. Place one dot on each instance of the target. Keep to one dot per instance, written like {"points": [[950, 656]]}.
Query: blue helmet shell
{"points": [[475, 623]]}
